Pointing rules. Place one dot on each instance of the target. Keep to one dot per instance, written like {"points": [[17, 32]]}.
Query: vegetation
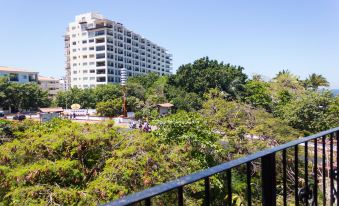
{"points": [[16, 96], [219, 115]]}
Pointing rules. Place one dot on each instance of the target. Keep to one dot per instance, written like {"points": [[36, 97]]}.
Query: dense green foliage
{"points": [[16, 96], [204, 74], [219, 115], [61, 162]]}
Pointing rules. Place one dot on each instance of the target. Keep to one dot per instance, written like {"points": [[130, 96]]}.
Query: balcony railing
{"points": [[301, 192]]}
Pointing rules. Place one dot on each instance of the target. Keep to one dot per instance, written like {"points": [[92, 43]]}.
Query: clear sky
{"points": [[262, 36]]}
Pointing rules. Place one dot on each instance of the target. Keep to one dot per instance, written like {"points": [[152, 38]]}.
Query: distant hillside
{"points": [[335, 91]]}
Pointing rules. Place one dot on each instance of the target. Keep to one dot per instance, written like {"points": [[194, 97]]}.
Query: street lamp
{"points": [[123, 79]]}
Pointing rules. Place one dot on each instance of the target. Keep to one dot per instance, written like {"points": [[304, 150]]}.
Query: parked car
{"points": [[2, 114], [19, 117]]}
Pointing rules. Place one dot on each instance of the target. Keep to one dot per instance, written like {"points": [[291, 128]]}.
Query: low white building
{"points": [[50, 84], [18, 75]]}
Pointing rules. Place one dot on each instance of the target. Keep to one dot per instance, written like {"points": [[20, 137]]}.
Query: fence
{"points": [[315, 149]]}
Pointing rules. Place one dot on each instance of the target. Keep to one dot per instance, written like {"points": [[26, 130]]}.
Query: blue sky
{"points": [[262, 36]]}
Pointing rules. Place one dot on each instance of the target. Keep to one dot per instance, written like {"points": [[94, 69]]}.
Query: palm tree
{"points": [[315, 81]]}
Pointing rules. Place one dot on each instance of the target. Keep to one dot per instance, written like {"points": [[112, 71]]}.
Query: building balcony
{"points": [[99, 40], [101, 64], [300, 172], [101, 79], [101, 71], [99, 26]]}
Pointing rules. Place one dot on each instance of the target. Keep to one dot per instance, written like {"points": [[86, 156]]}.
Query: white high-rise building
{"points": [[97, 48]]}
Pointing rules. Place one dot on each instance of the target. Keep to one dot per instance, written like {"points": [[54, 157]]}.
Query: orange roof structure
{"points": [[43, 78], [166, 105], [51, 110], [12, 69]]}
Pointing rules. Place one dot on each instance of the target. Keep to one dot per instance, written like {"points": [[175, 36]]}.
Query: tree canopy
{"points": [[219, 115], [204, 74], [17, 96]]}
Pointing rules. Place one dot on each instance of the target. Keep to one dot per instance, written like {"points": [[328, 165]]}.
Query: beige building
{"points": [[50, 84]]}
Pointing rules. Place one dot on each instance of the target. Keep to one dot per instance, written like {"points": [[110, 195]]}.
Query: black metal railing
{"points": [[301, 192]]}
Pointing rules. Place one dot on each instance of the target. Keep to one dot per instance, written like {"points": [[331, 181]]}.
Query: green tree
{"points": [[205, 74], [311, 112], [192, 130], [146, 81], [258, 94], [109, 108], [107, 92], [315, 81], [17, 96], [136, 90]]}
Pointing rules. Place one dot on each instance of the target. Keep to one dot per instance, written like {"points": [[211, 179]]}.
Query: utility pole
{"points": [[123, 78]]}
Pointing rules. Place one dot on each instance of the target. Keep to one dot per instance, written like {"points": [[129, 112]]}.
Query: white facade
{"points": [[18, 75], [97, 48], [64, 85], [51, 85]]}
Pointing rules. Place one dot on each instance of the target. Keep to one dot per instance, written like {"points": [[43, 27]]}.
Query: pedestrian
{"points": [[74, 115], [140, 126], [145, 126]]}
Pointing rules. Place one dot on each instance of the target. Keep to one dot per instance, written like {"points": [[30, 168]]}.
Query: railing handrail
{"points": [[191, 178]]}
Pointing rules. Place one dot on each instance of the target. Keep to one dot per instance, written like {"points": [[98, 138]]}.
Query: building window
{"points": [[101, 79], [102, 63], [100, 56], [99, 33], [100, 40], [101, 71], [100, 48], [74, 43], [92, 71], [110, 32], [110, 56], [84, 41], [109, 48]]}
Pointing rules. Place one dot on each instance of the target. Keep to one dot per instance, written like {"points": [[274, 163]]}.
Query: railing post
{"points": [[268, 175]]}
